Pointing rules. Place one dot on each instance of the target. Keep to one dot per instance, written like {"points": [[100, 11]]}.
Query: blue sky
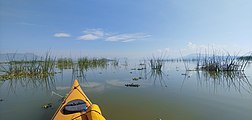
{"points": [[125, 28]]}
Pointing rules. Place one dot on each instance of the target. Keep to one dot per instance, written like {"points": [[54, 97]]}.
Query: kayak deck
{"points": [[77, 106]]}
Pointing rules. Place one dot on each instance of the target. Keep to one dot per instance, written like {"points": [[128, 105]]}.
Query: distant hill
{"points": [[201, 56], [193, 56], [17, 56], [246, 58]]}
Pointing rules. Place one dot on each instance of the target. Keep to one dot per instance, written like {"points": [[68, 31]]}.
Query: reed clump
{"points": [[28, 68], [65, 63], [249, 58], [86, 63], [156, 63], [115, 62], [98, 63], [222, 62]]}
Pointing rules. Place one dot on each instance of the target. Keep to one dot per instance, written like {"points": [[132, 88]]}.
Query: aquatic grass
{"points": [[114, 62], [157, 63], [85, 63], [219, 61], [98, 63], [65, 63], [28, 68], [246, 57]]}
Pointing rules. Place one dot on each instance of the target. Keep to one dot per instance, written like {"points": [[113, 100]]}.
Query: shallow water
{"points": [[161, 95]]}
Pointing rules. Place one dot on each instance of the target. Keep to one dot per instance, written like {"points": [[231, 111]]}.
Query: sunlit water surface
{"points": [[162, 95]]}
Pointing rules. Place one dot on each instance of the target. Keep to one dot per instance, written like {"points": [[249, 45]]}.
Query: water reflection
{"points": [[229, 80], [117, 83], [90, 84], [142, 75], [79, 73], [158, 75], [47, 84], [154, 83], [1, 83], [186, 75]]}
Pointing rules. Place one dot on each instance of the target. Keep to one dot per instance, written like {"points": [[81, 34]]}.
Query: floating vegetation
{"points": [[140, 68], [46, 106], [183, 74], [132, 85], [136, 78], [142, 64], [155, 73]]}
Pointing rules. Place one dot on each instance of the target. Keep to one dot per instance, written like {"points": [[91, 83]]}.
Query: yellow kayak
{"points": [[77, 106]]}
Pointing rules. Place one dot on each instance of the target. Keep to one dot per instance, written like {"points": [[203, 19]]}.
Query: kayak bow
{"points": [[77, 106]]}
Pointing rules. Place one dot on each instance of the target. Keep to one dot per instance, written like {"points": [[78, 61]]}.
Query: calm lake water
{"points": [[162, 95]]}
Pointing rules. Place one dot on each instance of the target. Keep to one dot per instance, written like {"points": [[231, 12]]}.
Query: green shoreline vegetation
{"points": [[47, 66], [28, 68]]}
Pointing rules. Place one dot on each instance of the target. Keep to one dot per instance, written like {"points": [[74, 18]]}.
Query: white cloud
{"points": [[127, 37], [202, 48], [88, 37], [30, 24], [167, 49], [62, 35], [92, 34], [193, 46], [95, 34]]}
